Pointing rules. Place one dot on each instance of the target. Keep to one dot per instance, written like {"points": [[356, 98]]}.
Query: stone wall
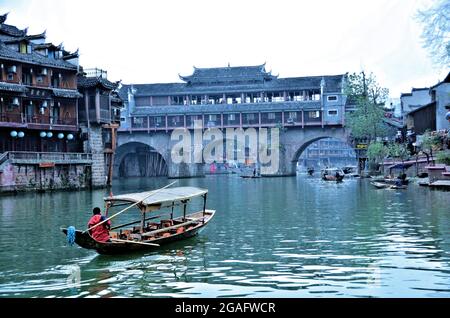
{"points": [[24, 177], [95, 146]]}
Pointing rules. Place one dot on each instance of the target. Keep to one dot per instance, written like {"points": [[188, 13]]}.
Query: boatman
{"points": [[99, 233]]}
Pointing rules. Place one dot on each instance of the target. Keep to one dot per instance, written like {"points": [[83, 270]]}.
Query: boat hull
{"points": [[85, 240]]}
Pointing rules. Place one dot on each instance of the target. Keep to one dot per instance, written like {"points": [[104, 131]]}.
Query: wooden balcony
{"points": [[24, 157], [37, 121]]}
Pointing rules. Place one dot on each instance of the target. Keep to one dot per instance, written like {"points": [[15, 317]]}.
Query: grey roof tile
{"points": [[86, 82], [11, 87], [33, 58]]}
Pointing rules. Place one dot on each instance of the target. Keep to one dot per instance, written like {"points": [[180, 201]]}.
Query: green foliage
{"points": [[430, 141], [367, 120], [443, 157], [398, 151], [377, 151]]}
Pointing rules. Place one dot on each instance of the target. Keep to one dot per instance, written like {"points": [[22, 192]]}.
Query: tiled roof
{"points": [[66, 93], [11, 87], [228, 74], [11, 30], [333, 84], [33, 58], [123, 92], [87, 82]]}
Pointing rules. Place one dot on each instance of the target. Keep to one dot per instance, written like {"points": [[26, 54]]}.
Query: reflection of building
{"points": [[328, 152], [42, 111]]}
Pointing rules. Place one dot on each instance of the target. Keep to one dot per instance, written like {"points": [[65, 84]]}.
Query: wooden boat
{"points": [[311, 171], [398, 187], [380, 185], [332, 174], [250, 177], [150, 235]]}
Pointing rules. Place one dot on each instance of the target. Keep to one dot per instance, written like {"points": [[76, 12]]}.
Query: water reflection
{"points": [[281, 237]]}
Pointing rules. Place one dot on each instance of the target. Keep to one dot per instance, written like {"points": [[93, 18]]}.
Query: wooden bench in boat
{"points": [[173, 227]]}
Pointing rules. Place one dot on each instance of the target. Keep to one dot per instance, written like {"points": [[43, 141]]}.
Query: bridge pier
{"points": [[293, 141]]}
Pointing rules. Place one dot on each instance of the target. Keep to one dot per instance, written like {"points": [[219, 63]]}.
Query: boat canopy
{"points": [[160, 196]]}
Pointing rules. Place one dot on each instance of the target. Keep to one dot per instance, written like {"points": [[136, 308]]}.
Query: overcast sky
{"points": [[152, 41]]}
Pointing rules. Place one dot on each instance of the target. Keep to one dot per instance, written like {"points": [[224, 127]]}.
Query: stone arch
{"points": [[137, 159], [307, 143]]}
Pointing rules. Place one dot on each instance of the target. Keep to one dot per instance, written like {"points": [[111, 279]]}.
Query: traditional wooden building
{"points": [[243, 96], [38, 93], [99, 119], [43, 112]]}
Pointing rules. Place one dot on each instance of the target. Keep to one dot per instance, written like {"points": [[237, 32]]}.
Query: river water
{"points": [[271, 237]]}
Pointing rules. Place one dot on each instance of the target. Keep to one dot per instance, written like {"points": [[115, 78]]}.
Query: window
{"points": [[212, 117], [10, 77], [39, 79], [139, 120], [231, 117], [332, 112], [271, 116], [315, 114], [250, 116], [292, 115], [332, 98]]}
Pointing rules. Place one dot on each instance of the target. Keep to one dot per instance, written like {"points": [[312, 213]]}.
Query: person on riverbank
{"points": [[99, 233]]}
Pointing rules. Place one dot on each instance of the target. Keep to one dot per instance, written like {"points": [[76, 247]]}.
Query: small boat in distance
{"points": [[310, 171], [380, 185], [383, 185], [250, 176], [160, 231], [332, 174]]}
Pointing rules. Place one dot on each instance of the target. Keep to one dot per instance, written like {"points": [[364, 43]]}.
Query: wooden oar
{"points": [[129, 207], [134, 242]]}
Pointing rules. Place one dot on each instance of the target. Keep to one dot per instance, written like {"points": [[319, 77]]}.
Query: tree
{"points": [[398, 151], [436, 31], [429, 141], [366, 122], [376, 152]]}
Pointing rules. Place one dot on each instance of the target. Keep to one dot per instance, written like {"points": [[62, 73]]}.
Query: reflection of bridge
{"points": [[306, 108]]}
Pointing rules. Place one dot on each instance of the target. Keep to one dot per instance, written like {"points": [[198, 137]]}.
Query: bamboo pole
{"points": [[136, 222], [129, 207]]}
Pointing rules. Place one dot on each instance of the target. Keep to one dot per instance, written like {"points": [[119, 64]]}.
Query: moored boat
{"points": [[150, 235]]}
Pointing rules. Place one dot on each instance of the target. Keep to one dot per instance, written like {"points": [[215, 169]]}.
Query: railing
{"points": [[64, 121], [96, 72], [3, 157], [11, 118], [56, 157], [36, 119], [105, 115]]}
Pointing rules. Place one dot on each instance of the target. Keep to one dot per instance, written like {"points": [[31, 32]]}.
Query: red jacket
{"points": [[101, 232]]}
